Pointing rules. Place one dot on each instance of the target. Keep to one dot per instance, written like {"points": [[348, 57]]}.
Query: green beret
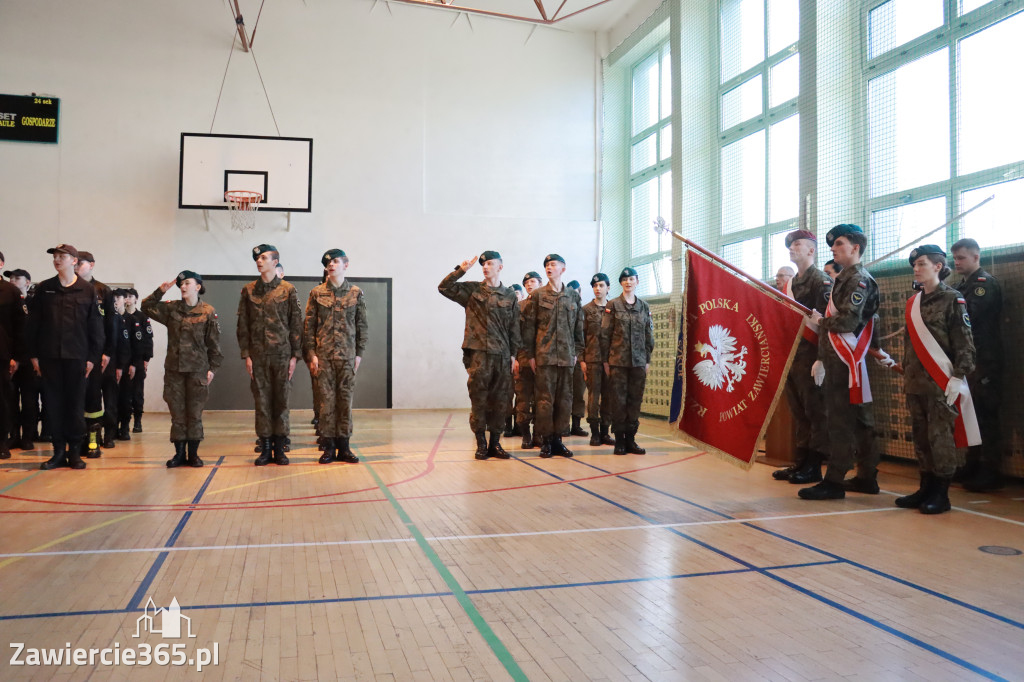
{"points": [[841, 230], [574, 285], [553, 256], [262, 248], [489, 255], [531, 275], [628, 272], [331, 255], [516, 287], [600, 277], [190, 274], [924, 250]]}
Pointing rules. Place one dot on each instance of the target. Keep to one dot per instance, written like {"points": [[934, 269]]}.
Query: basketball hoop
{"points": [[242, 205]]}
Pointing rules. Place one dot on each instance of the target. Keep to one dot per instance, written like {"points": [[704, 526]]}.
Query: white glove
{"points": [[818, 372], [884, 359], [954, 387]]}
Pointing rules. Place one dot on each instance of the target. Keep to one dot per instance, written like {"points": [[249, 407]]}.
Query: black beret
{"points": [[331, 255], [553, 256], [800, 234], [262, 248], [924, 250], [17, 272], [628, 272], [839, 231], [600, 277], [531, 275], [489, 255]]}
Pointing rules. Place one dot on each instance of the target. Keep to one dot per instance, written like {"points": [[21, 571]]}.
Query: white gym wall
{"points": [[432, 141]]}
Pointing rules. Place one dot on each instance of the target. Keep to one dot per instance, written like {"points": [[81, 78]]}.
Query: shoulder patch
{"points": [[862, 285], [857, 298], [979, 291], [126, 333], [967, 320], [608, 309], [961, 300], [138, 336], [982, 279]]}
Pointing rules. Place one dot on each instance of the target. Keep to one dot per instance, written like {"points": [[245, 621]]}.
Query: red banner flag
{"points": [[735, 350]]}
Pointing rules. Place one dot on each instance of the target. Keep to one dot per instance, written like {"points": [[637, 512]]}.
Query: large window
{"points": [[759, 128], [944, 130]]}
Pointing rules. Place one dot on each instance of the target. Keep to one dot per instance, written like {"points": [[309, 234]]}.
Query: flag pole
{"points": [[660, 226]]}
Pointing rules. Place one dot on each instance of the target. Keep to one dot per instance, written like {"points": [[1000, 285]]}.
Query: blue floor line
{"points": [[766, 572]]}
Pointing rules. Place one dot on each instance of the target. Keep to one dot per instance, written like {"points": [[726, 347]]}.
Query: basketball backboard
{"points": [[279, 168]]}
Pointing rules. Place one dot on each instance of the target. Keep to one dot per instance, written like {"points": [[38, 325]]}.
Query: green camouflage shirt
{"points": [[492, 316], [592, 315], [945, 314], [553, 333], [855, 295], [269, 319], [627, 333], [336, 326], [193, 334], [811, 290]]}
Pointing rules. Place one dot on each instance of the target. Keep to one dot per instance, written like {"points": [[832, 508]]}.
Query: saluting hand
{"points": [[467, 264]]}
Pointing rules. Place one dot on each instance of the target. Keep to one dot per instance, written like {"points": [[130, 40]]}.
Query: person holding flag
{"points": [[938, 355], [847, 328], [811, 288]]}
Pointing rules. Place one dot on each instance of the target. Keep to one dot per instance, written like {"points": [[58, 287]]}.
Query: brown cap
{"points": [[86, 256], [64, 248]]}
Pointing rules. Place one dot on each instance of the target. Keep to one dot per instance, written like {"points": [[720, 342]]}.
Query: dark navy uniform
{"points": [[132, 397], [12, 317], [120, 359]]}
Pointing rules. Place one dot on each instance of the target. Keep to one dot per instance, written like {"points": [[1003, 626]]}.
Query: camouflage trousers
{"points": [[336, 380], [526, 391], [626, 386], [271, 389], [985, 392], [317, 400], [932, 421], [851, 428], [807, 405], [490, 390], [186, 394], [554, 399], [599, 395], [579, 384]]}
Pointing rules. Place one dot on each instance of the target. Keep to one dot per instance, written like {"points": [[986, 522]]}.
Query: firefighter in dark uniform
{"points": [[193, 355], [64, 331], [120, 360], [627, 341], [12, 355], [984, 297], [553, 339], [94, 387], [811, 288], [932, 405], [599, 399], [579, 386], [140, 333], [336, 333], [525, 380], [489, 347], [25, 406], [851, 422], [270, 340]]}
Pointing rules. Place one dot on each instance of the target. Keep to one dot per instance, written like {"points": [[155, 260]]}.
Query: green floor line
{"points": [[482, 627], [27, 478]]}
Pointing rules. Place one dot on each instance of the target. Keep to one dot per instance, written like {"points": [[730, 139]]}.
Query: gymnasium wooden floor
{"points": [[424, 564]]}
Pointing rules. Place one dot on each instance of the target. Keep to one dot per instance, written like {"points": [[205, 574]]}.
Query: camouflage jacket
{"points": [[855, 294], [811, 290], [492, 316], [592, 315], [984, 297], [627, 333], [945, 314], [269, 319], [336, 327], [193, 334], [521, 355], [553, 331]]}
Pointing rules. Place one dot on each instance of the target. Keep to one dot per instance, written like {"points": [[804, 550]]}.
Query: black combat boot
{"points": [[59, 458], [259, 445], [913, 500], [75, 455], [620, 443], [179, 455], [784, 473], [193, 454], [595, 432], [545, 446], [92, 440], [825, 490], [122, 429], [26, 440], [345, 453], [5, 449], [508, 427], [481, 445], [108, 438], [861, 484], [937, 499], [494, 448], [631, 447], [576, 430], [287, 444], [985, 479], [527, 437], [809, 471], [605, 438], [538, 440], [280, 458], [137, 428], [329, 450], [321, 441], [266, 452], [558, 448]]}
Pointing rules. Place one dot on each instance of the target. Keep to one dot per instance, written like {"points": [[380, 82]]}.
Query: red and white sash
{"points": [[853, 350], [810, 331], [940, 369]]}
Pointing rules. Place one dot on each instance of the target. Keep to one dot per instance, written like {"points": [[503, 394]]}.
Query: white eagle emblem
{"points": [[726, 365]]}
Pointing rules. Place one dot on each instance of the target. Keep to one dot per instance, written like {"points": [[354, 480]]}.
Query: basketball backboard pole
{"points": [[240, 23]]}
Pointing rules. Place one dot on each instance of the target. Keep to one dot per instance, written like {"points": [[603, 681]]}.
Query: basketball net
{"points": [[242, 205]]}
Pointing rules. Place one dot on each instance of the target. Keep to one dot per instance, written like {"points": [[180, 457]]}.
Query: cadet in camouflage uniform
{"points": [[511, 427], [525, 380], [810, 287], [984, 297], [932, 407], [627, 341], [553, 339], [270, 340], [334, 340], [489, 347], [599, 398], [193, 355], [579, 386], [850, 425]]}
